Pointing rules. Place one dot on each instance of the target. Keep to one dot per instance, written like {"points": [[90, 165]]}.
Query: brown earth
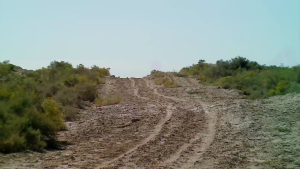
{"points": [[157, 127]]}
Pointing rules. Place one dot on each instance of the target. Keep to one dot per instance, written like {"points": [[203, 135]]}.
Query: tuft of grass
{"points": [[108, 100]]}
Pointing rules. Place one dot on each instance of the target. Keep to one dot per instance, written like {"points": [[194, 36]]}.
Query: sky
{"points": [[133, 37]]}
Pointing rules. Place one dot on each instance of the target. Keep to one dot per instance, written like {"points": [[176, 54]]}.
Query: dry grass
{"points": [[166, 82], [109, 100]]}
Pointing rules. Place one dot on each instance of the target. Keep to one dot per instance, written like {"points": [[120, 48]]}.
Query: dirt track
{"points": [[154, 127]]}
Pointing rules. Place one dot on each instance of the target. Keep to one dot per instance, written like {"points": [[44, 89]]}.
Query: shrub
{"points": [[13, 144], [166, 82], [82, 78], [71, 81], [34, 140], [298, 77], [87, 91], [53, 112], [157, 74], [170, 84], [109, 100], [33, 104], [70, 113], [281, 88], [226, 82], [67, 96], [160, 81], [39, 121], [179, 74]]}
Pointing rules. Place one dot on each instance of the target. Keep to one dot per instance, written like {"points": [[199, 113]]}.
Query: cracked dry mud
{"points": [[155, 127]]}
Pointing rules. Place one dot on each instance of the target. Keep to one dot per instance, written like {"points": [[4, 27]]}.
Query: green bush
{"points": [[34, 140], [87, 91], [13, 144], [67, 96], [34, 104], [53, 113], [251, 78]]}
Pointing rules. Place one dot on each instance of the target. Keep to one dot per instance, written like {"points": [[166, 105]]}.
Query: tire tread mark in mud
{"points": [[156, 131]]}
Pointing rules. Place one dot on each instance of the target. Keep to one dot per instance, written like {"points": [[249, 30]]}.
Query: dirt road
{"points": [[153, 127]]}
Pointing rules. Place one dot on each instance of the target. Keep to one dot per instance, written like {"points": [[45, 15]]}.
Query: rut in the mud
{"points": [[157, 129], [172, 157], [155, 132]]}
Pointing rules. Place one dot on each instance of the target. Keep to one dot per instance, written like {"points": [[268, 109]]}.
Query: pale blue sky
{"points": [[134, 37]]}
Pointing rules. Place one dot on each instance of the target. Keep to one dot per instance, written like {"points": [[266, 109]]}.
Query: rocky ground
{"points": [[193, 126]]}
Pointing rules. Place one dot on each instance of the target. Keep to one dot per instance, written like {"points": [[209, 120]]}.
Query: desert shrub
{"points": [[109, 100], [53, 112], [34, 140], [82, 78], [281, 88], [71, 81], [101, 72], [179, 74], [294, 88], [46, 126], [34, 104], [87, 91], [226, 82], [160, 81], [70, 113], [67, 96], [5, 68], [100, 81], [157, 73], [13, 144], [170, 84], [261, 83], [166, 82], [32, 130]]}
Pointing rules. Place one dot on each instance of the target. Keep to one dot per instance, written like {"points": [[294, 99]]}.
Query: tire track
{"points": [[136, 90], [207, 141], [207, 138], [156, 131]]}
